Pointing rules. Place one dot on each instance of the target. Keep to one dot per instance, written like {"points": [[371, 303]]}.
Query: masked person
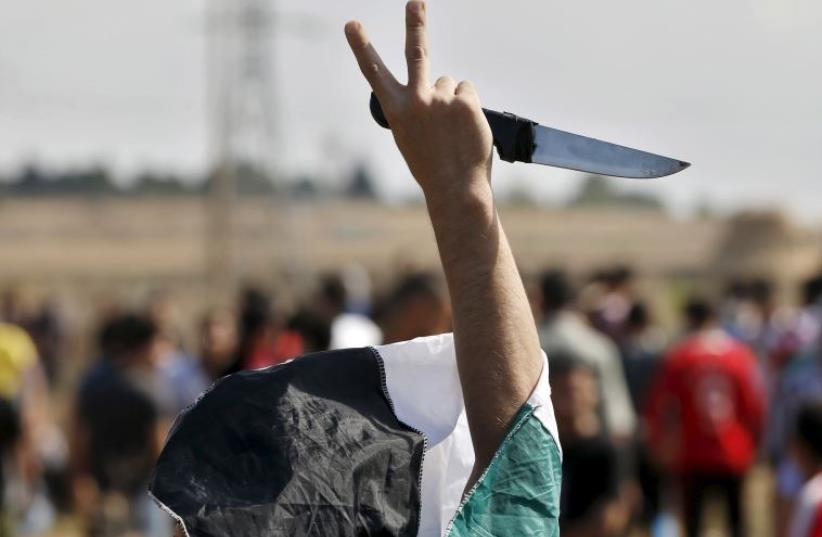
{"points": [[447, 435]]}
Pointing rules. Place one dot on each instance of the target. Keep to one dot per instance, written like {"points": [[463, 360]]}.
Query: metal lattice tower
{"points": [[241, 105]]}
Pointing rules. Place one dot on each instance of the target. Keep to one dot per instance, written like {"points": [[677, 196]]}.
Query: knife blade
{"points": [[521, 140]]}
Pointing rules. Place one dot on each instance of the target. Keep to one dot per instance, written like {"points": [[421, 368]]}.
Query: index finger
{"points": [[416, 44], [376, 73]]}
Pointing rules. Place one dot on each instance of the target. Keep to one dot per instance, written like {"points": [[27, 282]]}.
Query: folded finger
{"points": [[466, 88], [446, 84]]}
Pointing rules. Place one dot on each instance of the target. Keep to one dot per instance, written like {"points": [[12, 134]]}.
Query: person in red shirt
{"points": [[264, 340], [704, 416]]}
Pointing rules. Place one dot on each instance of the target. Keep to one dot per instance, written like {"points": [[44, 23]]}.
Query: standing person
{"points": [[333, 444], [18, 363], [564, 331], [177, 368], [118, 431], [593, 500], [704, 416], [796, 379], [642, 349], [26, 403], [807, 447]]}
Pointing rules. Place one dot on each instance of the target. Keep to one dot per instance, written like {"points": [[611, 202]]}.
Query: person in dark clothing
{"points": [[641, 350], [118, 429], [592, 503], [9, 436], [314, 330], [807, 446]]}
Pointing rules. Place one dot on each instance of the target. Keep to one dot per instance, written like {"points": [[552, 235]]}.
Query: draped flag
{"points": [[357, 442]]}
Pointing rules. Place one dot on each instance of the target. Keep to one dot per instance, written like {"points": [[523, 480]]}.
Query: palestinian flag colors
{"points": [[359, 442]]}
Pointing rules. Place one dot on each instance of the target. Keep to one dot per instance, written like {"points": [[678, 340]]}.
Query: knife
{"points": [[521, 140]]}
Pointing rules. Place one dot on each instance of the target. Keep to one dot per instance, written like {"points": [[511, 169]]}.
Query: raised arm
{"points": [[446, 142]]}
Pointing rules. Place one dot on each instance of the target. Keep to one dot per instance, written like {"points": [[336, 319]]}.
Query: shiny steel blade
{"points": [[574, 152]]}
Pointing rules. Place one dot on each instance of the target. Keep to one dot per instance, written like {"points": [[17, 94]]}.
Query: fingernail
{"points": [[417, 7]]}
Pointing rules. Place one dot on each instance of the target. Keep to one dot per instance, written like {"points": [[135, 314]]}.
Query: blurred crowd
{"points": [[656, 423]]}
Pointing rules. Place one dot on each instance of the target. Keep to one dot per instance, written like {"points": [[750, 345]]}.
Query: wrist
{"points": [[459, 197]]}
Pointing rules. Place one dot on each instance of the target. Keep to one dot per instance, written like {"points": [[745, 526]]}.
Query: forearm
{"points": [[447, 142], [497, 347]]}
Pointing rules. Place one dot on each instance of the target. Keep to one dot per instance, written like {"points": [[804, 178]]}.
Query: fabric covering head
{"points": [[333, 444]]}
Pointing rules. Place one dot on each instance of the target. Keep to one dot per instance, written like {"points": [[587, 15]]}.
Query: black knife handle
{"points": [[513, 135]]}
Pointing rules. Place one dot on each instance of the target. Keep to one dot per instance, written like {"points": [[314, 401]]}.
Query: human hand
{"points": [[440, 130]]}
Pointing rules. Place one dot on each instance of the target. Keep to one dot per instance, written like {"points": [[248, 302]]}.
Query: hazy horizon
{"points": [[732, 87]]}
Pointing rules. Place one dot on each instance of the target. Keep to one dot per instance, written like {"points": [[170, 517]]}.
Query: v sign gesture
{"points": [[441, 129], [335, 443], [446, 141]]}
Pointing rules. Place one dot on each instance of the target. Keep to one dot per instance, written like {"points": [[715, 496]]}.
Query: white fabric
{"points": [[352, 330], [807, 508], [543, 407], [424, 387]]}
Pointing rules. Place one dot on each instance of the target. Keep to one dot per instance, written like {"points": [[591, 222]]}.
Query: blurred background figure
{"points": [[566, 332], [120, 423], [264, 338], [218, 343], [349, 325], [641, 347], [182, 373], [748, 313], [314, 329], [9, 438], [610, 314], [807, 446], [704, 416], [31, 445], [416, 306], [795, 375], [594, 501]]}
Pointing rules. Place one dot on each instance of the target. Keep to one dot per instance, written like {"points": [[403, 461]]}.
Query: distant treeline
{"points": [[32, 181], [597, 191]]}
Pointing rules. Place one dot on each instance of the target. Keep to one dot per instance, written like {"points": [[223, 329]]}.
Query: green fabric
{"points": [[518, 496]]}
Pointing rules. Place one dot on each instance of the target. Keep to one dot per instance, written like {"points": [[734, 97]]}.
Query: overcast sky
{"points": [[734, 86]]}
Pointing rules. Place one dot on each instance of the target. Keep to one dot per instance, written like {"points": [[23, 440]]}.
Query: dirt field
{"points": [[122, 239], [107, 243]]}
